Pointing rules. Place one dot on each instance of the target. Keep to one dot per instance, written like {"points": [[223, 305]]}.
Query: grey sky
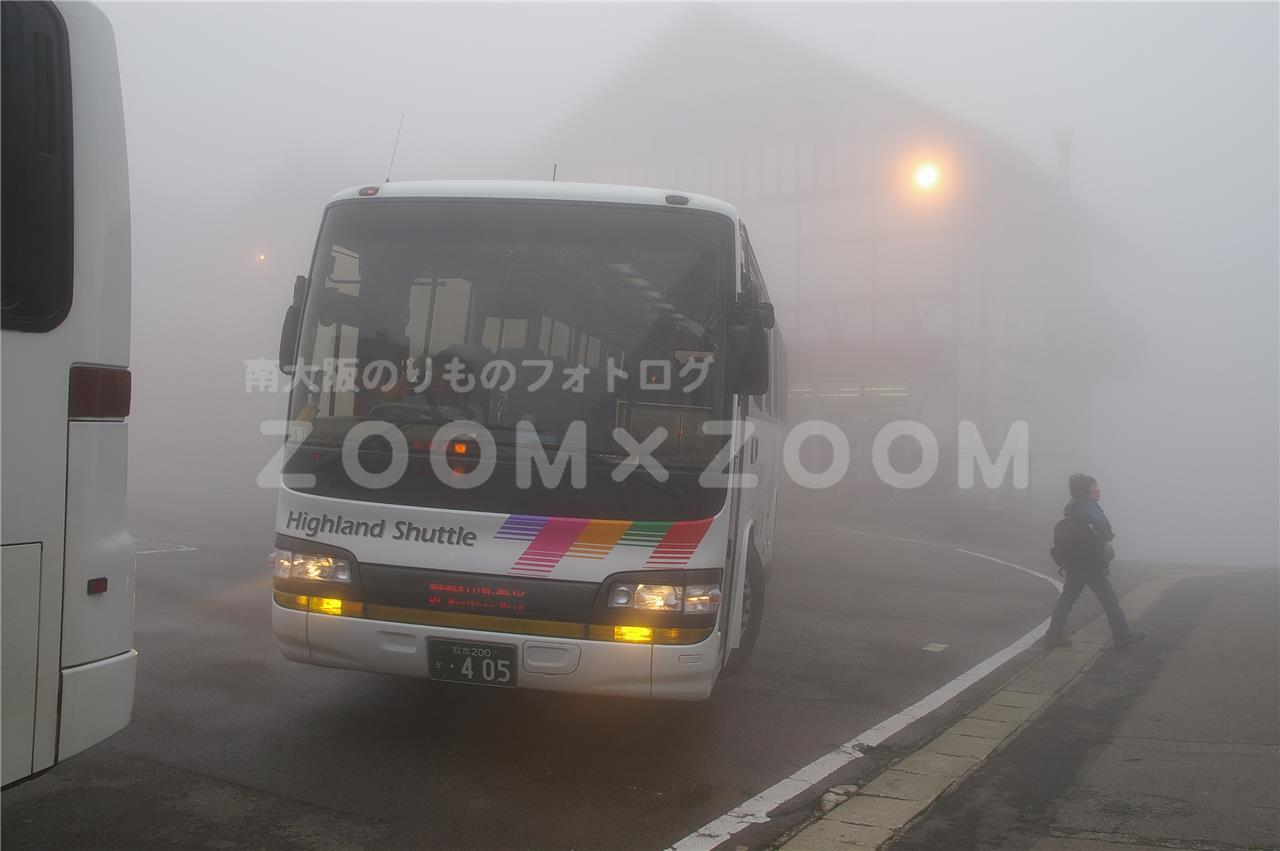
{"points": [[244, 119]]}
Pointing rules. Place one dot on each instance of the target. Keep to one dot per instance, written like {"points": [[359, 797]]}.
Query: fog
{"points": [[1128, 153]]}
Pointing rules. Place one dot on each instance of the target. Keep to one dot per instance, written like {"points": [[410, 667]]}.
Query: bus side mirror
{"points": [[289, 339], [748, 367], [292, 324]]}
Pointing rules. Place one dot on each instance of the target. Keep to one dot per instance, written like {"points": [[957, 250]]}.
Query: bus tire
{"points": [[753, 598]]}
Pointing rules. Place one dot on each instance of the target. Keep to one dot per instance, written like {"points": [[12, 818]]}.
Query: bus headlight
{"points": [[642, 595], [286, 564], [655, 598], [657, 607], [621, 595], [701, 599]]}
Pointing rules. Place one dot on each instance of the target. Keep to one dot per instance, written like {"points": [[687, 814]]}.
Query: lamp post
{"points": [[927, 179]]}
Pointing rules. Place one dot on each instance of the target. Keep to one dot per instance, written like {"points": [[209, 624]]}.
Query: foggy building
{"points": [[922, 270]]}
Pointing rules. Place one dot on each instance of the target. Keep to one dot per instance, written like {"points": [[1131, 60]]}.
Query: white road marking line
{"points": [[756, 810], [1055, 583], [917, 541], [886, 537], [935, 648], [932, 701], [180, 548]]}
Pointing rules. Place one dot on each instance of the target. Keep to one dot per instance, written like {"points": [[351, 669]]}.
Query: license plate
{"points": [[472, 662]]}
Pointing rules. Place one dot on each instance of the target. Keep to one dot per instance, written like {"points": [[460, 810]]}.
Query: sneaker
{"points": [[1129, 640], [1049, 642]]}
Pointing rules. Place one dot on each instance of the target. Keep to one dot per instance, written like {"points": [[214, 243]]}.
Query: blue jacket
{"points": [[1098, 522], [1093, 513]]}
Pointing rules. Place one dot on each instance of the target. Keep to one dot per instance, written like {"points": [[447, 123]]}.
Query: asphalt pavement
{"points": [[231, 746], [1172, 744]]}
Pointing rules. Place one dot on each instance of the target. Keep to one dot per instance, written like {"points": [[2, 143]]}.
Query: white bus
{"points": [[66, 563], [515, 413]]}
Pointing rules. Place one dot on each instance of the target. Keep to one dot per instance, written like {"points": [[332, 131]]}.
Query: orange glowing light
{"points": [[633, 633], [926, 176]]}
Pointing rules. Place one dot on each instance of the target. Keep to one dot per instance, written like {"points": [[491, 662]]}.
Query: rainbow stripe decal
{"points": [[551, 539], [678, 545], [599, 538], [550, 545], [521, 527]]}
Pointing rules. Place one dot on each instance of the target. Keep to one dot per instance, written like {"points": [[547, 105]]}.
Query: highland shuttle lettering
{"points": [[313, 525]]}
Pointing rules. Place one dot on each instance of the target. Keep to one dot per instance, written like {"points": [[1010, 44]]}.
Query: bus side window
{"points": [[766, 401], [775, 390], [504, 332], [36, 184], [559, 345], [750, 267], [451, 315], [753, 279]]}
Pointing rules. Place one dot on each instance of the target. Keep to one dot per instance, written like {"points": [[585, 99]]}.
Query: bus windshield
{"points": [[526, 317]]}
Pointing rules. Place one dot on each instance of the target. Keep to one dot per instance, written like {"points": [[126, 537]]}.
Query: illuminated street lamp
{"points": [[262, 257], [926, 176], [926, 180]]}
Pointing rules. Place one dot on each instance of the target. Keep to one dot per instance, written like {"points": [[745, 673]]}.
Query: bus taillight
{"points": [[99, 393]]}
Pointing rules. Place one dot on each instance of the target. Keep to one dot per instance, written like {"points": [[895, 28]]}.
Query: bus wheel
{"points": [[752, 616]]}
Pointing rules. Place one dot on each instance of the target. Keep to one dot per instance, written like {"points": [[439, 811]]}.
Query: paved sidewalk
{"points": [[1171, 744]]}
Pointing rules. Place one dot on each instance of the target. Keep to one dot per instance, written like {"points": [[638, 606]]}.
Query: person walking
{"points": [[1082, 549]]}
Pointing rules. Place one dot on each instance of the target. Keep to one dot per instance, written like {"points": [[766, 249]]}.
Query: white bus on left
{"points": [[66, 564]]}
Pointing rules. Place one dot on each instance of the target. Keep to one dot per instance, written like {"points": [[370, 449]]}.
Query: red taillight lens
{"points": [[463, 456], [99, 393]]}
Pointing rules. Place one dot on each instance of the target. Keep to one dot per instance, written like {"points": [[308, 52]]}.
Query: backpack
{"points": [[1075, 543]]}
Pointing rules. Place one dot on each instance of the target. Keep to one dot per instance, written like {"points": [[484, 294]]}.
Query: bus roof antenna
{"points": [[395, 148], [554, 168]]}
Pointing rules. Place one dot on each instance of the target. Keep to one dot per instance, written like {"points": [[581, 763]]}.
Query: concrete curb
{"points": [[900, 793]]}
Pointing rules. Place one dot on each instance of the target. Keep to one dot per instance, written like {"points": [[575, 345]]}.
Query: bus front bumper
{"points": [[664, 671]]}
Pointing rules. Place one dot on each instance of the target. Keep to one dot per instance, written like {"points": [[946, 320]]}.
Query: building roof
{"points": [[715, 83]]}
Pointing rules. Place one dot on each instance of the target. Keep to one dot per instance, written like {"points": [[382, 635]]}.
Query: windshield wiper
{"points": [[616, 458]]}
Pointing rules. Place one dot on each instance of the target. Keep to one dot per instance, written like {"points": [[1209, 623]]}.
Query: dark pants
{"points": [[1099, 582]]}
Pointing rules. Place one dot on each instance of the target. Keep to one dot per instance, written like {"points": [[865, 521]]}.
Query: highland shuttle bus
{"points": [[66, 563], [534, 439]]}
